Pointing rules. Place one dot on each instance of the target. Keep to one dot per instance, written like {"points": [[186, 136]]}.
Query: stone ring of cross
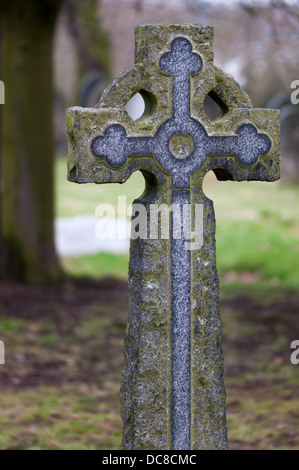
{"points": [[181, 144]]}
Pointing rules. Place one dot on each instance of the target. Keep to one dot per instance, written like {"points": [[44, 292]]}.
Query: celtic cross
{"points": [[172, 392]]}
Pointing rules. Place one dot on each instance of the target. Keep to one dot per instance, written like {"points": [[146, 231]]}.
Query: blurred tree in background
{"points": [[27, 143], [91, 42], [27, 251]]}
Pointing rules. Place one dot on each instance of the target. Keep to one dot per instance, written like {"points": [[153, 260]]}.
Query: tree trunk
{"points": [[27, 144], [91, 41], [1, 108]]}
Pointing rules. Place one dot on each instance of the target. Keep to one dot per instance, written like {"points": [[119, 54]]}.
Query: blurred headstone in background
{"points": [[91, 87]]}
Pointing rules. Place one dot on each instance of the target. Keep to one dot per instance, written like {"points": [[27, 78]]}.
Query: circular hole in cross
{"points": [[211, 108], [135, 107], [142, 104]]}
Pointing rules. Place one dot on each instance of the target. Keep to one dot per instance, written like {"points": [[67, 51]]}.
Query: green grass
{"points": [[98, 265], [77, 199], [9, 325], [257, 227], [50, 418], [257, 231]]}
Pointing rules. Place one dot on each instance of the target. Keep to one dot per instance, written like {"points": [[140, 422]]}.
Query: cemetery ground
{"points": [[60, 384]]}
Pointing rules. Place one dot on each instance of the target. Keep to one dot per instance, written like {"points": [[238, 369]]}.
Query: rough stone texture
{"points": [[172, 392]]}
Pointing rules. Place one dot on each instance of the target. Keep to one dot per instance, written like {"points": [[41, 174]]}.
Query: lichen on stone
{"points": [[174, 145]]}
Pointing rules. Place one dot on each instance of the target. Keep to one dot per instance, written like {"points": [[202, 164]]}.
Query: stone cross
{"points": [[172, 392]]}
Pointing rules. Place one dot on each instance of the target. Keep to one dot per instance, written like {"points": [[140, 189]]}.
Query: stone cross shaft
{"points": [[172, 391]]}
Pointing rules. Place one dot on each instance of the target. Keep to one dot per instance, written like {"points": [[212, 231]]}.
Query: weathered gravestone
{"points": [[172, 392]]}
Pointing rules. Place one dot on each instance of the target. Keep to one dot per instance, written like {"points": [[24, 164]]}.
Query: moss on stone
{"points": [[147, 380]]}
